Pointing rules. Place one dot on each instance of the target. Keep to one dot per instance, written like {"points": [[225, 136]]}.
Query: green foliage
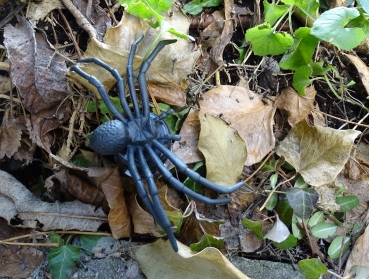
{"points": [[273, 12], [265, 41], [347, 202], [177, 218], [312, 268], [88, 242], [302, 201], [195, 7], [316, 218], [330, 27], [290, 242], [284, 211], [62, 259], [339, 246], [150, 11], [207, 240], [255, 226], [103, 109], [195, 185], [324, 230]]}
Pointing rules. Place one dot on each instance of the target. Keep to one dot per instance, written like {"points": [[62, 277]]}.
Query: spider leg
{"points": [[163, 219], [142, 76], [130, 80], [141, 191], [101, 89], [179, 185], [182, 167]]}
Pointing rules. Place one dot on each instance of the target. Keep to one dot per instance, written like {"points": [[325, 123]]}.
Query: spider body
{"points": [[141, 141]]}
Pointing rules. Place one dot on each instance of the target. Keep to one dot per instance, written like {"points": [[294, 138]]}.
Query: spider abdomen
{"points": [[109, 138]]}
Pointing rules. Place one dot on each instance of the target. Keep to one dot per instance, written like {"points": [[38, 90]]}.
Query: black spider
{"points": [[141, 136]]}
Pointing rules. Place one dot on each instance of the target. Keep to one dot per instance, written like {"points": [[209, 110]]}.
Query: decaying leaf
{"points": [[119, 219], [10, 136], [317, 153], [17, 203], [223, 149], [158, 260], [79, 187], [170, 66], [143, 222], [40, 10], [298, 107], [36, 72], [278, 233], [244, 111], [361, 68]]}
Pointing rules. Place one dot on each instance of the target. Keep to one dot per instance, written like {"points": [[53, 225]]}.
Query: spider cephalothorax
{"points": [[141, 141]]}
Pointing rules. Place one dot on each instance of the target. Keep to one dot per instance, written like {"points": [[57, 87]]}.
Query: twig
{"points": [[71, 34], [343, 120], [81, 20], [259, 168]]}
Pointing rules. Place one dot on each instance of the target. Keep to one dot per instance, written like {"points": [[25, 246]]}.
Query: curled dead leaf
{"points": [[17, 203]]}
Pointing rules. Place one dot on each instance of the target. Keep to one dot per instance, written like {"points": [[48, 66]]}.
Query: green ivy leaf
{"points": [[347, 202], [206, 241], [312, 268], [324, 230], [176, 217], [195, 7], [272, 202], [334, 249], [195, 185], [265, 41], [330, 27], [273, 12], [88, 242], [255, 226], [302, 50], [62, 260], [55, 238], [284, 211], [316, 218], [290, 242], [302, 201], [301, 79]]}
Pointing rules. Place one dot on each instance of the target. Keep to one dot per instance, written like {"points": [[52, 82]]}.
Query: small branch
{"points": [[81, 20]]}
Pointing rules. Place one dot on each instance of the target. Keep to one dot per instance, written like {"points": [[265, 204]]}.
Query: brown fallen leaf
{"points": [[317, 153], [171, 65], [223, 149], [10, 136], [143, 222], [40, 80], [244, 110], [158, 260], [361, 68], [39, 128], [359, 253], [17, 203], [297, 107], [79, 188], [19, 261], [119, 219]]}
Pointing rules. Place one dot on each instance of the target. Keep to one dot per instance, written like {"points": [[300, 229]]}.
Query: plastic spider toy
{"points": [[141, 140]]}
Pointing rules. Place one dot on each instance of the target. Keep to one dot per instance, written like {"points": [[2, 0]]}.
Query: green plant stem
{"points": [[282, 17]]}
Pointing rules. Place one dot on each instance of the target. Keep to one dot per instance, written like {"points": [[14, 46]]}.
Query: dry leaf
{"points": [[359, 254], [158, 260], [297, 107], [171, 65], [223, 149], [186, 148], [79, 188], [17, 203], [10, 136], [119, 219], [317, 153], [361, 68], [143, 222], [39, 79], [244, 111], [40, 10]]}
